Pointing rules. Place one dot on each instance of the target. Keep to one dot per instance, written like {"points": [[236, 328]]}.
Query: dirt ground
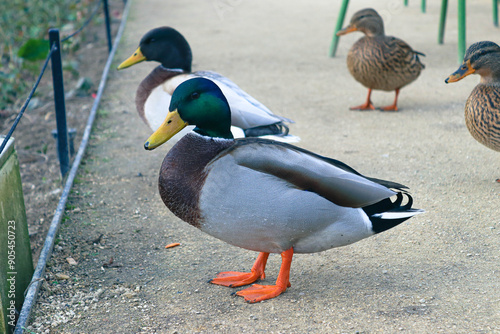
{"points": [[438, 272]]}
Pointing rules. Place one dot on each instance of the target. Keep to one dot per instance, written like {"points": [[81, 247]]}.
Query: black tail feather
{"points": [[375, 212], [277, 129]]}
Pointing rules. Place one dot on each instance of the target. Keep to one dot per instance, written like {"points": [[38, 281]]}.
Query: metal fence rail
{"points": [[25, 105]]}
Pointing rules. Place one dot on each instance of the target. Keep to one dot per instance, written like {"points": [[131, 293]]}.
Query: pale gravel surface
{"points": [[436, 273]]}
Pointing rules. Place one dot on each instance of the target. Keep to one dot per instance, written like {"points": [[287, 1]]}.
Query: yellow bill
{"points": [[170, 127], [137, 57]]}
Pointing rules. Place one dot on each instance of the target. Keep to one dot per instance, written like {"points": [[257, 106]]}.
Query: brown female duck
{"points": [[482, 109], [378, 61]]}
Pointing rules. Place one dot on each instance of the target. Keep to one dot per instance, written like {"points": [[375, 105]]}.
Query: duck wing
{"points": [[329, 178], [398, 53]]}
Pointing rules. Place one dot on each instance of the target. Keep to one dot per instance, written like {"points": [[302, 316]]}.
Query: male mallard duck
{"points": [[378, 61], [167, 46], [482, 109], [264, 195]]}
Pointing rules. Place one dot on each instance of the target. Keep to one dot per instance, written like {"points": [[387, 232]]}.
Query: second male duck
{"points": [[167, 46]]}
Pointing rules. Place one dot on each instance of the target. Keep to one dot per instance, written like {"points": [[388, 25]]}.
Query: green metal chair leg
{"points": [[495, 13], [340, 23], [422, 5], [461, 30], [442, 21]]}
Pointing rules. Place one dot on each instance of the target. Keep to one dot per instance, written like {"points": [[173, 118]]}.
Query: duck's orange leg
{"points": [[233, 279], [367, 105], [394, 106], [257, 292]]}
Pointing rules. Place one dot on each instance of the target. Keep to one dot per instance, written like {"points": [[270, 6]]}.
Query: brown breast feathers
{"points": [[182, 174]]}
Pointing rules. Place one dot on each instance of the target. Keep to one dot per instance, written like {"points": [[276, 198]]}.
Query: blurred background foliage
{"points": [[24, 26]]}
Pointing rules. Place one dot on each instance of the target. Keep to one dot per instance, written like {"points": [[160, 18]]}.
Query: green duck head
{"points": [[199, 102], [482, 58], [165, 45]]}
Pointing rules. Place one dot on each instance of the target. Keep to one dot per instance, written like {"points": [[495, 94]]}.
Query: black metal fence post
{"points": [[108, 24], [60, 105]]}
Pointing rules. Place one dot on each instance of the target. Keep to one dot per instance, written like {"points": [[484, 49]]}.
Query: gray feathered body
{"points": [[268, 196]]}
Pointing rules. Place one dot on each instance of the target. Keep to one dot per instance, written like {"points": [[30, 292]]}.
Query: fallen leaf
{"points": [[172, 245]]}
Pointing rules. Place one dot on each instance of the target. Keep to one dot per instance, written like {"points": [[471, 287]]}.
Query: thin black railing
{"points": [[58, 84], [25, 105]]}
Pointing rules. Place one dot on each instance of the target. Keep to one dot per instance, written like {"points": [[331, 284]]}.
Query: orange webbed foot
{"points": [[363, 107], [257, 292], [394, 106], [368, 105], [233, 279], [389, 108]]}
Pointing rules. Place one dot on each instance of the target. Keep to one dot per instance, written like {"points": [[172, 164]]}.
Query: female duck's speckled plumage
{"points": [[378, 61], [170, 48], [482, 109], [264, 195], [383, 63], [482, 115]]}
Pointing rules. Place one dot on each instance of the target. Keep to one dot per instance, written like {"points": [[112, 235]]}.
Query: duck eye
{"points": [[195, 95]]}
